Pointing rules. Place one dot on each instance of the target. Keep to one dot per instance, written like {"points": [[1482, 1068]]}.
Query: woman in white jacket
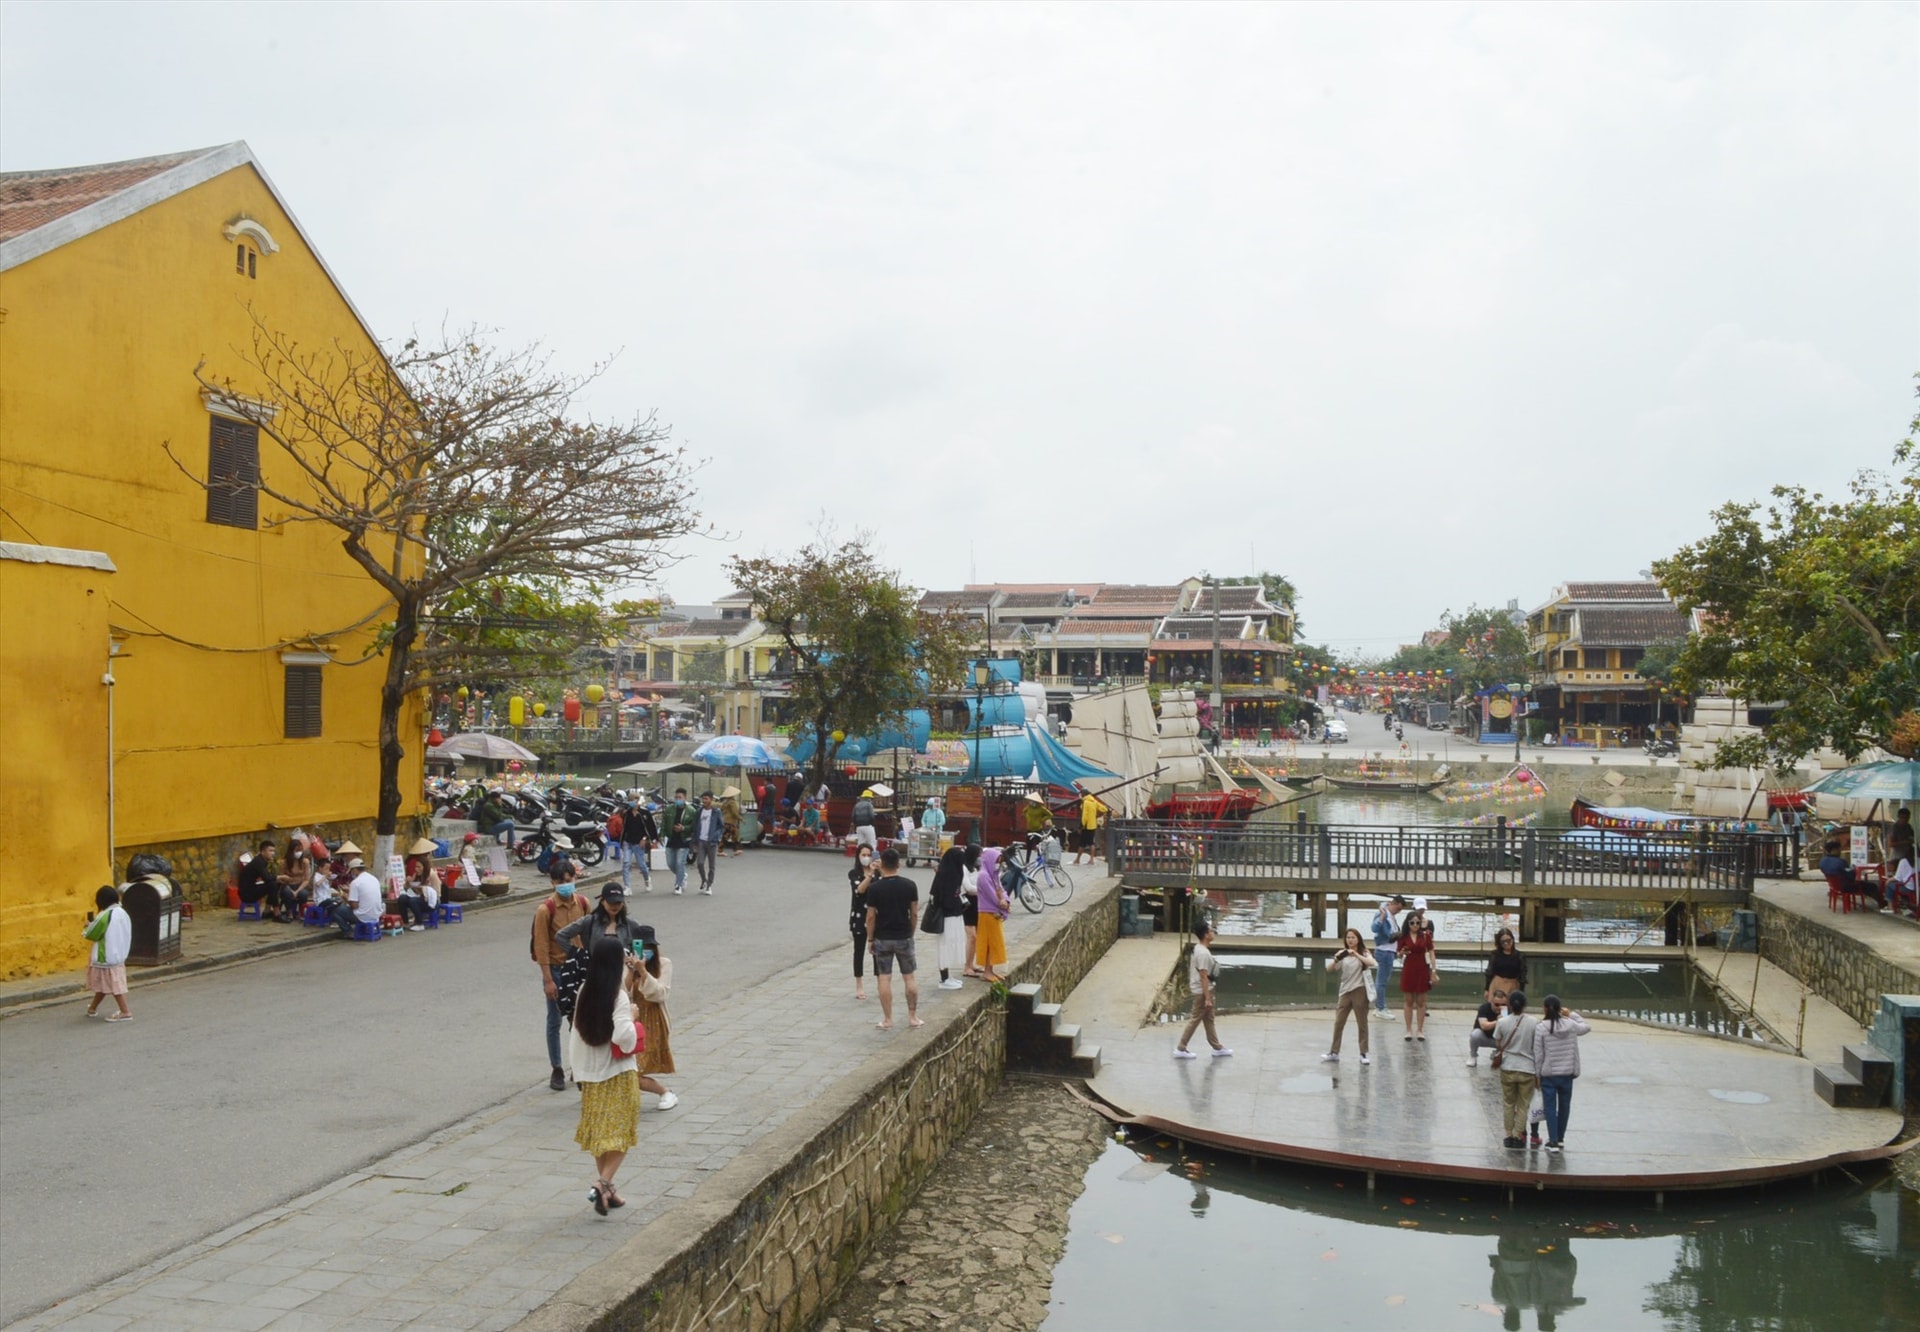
{"points": [[605, 1039], [111, 933], [1556, 1056]]}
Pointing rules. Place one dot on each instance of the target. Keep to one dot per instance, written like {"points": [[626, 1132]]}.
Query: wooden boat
{"points": [[1235, 806], [1385, 783], [1635, 821]]}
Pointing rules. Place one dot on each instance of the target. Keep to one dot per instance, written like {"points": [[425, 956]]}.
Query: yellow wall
{"points": [[53, 764], [98, 344]]}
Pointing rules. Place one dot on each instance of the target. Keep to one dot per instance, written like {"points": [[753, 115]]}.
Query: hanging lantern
{"points": [[517, 711], [436, 738], [571, 709], [539, 709], [838, 736], [595, 693], [462, 693]]}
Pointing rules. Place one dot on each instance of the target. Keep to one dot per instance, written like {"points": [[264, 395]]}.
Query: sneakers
{"points": [[706, 892], [1513, 1144], [668, 1100], [1473, 1061], [1366, 1059], [679, 892], [415, 929], [1533, 1139], [1329, 1058], [950, 985], [1555, 1147], [1223, 1053], [1185, 1054], [558, 1082]]}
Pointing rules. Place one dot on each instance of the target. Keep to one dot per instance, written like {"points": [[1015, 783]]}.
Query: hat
{"points": [[612, 892], [425, 846], [645, 932], [866, 793], [1036, 798], [471, 837], [730, 791], [561, 844], [1419, 904], [354, 861], [348, 849]]}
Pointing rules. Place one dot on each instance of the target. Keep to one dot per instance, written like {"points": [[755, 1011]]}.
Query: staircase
{"points": [[1039, 1042], [1884, 1069]]}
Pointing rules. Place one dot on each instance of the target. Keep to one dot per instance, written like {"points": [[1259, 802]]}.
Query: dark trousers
{"points": [[860, 952], [343, 918], [413, 908], [553, 1023]]}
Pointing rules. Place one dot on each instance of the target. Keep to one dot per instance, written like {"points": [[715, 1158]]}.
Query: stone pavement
{"points": [[478, 1225], [1652, 1109]]}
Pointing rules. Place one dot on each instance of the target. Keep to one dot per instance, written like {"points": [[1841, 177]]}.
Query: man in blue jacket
{"points": [[1386, 930]]}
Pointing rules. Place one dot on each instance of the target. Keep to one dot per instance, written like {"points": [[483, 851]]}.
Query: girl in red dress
{"points": [[1416, 968]]}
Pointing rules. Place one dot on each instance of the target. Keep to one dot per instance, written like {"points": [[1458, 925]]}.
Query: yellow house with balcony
{"points": [[1587, 641], [240, 647]]}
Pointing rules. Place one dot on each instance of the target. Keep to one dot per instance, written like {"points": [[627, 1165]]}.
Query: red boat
{"points": [[1234, 806]]}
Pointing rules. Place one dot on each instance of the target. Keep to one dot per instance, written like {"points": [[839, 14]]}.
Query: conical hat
{"points": [[348, 849], [424, 847]]}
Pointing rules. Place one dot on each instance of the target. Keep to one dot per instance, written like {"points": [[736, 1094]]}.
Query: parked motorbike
{"points": [[1661, 748], [589, 841]]}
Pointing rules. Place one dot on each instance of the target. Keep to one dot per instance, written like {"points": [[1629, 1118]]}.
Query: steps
{"points": [[1039, 1042], [1862, 1081]]}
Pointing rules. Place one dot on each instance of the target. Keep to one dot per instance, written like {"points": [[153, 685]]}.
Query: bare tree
{"points": [[455, 473]]}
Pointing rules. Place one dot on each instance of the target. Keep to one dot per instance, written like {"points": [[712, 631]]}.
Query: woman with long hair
{"points": [[860, 877], [605, 1039], [1353, 962], [1506, 968], [1416, 968], [648, 986], [1556, 1057], [945, 893], [990, 946], [970, 909]]}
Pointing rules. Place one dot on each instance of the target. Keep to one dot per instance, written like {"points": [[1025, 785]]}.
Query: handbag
{"points": [[935, 921], [1500, 1050], [568, 977]]}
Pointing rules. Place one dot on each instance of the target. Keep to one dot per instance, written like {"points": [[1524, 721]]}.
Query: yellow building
{"points": [[229, 633]]}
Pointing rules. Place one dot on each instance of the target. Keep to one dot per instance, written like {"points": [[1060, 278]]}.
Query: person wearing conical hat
{"points": [[420, 894]]}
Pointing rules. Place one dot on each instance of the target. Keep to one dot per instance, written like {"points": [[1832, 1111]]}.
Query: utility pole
{"points": [[1218, 720]]}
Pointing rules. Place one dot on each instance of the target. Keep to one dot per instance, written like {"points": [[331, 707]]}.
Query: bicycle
{"points": [[1039, 881]]}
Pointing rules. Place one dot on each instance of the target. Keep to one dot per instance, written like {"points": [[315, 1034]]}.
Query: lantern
{"points": [[571, 709], [838, 736], [539, 709], [517, 711], [462, 693], [436, 738], [595, 693]]}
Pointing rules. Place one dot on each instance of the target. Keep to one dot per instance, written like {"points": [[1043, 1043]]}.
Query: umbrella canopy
{"points": [[494, 748], [738, 751], [1889, 779]]}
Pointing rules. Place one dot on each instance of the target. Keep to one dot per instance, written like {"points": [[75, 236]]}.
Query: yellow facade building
{"points": [[242, 701]]}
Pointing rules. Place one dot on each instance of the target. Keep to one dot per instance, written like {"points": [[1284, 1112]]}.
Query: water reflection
{"points": [[1283, 1247]]}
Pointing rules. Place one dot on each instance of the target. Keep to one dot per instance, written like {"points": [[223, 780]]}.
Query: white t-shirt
{"points": [[1904, 876], [1202, 960], [364, 893]]}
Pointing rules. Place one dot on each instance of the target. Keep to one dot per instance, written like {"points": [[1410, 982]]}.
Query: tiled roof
{"points": [[1242, 598], [1631, 626], [701, 629], [1079, 589], [953, 600], [1033, 600], [1092, 627], [1636, 591], [1201, 626], [1136, 594], [30, 199], [1205, 644]]}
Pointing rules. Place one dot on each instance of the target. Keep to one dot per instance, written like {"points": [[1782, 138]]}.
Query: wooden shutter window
{"points": [[303, 702], [233, 473]]}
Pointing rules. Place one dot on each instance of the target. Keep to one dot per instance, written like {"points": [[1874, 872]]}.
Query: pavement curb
{"points": [[141, 977]]}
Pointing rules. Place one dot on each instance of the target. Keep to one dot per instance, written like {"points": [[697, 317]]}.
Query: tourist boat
{"points": [[1414, 784], [1235, 806], [1635, 821]]}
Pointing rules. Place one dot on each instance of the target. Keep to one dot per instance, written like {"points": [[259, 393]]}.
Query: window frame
{"points": [[303, 694], [233, 496]]}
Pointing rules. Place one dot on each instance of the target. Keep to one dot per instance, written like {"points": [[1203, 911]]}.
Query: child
{"points": [[111, 932]]}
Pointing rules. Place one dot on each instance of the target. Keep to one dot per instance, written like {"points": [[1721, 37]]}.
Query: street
{"points": [[236, 1090]]}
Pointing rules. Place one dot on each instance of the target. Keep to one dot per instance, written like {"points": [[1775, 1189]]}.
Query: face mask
{"points": [[563, 890]]}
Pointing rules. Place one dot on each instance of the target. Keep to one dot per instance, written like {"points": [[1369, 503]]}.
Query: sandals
{"points": [[613, 1198], [597, 1196]]}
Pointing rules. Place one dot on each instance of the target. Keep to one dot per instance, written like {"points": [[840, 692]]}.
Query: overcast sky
{"points": [[1422, 305]]}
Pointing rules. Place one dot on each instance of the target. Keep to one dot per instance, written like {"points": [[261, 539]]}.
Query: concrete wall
{"points": [[1838, 968], [819, 1191], [54, 643]]}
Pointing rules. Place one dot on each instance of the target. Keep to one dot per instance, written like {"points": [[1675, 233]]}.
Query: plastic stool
{"points": [[451, 913], [315, 914], [251, 910], [366, 931]]}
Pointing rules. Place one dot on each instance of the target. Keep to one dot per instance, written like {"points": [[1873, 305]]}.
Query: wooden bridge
{"points": [[1493, 868]]}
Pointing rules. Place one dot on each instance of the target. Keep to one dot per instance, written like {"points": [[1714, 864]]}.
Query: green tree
{"points": [[1278, 590], [863, 652], [463, 484], [1488, 647], [1811, 604]]}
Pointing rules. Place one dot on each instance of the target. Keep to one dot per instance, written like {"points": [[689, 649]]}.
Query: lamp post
{"points": [[981, 674]]}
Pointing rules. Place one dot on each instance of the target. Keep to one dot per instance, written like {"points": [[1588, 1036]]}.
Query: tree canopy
{"points": [[863, 652], [462, 484], [1484, 648], [1811, 605]]}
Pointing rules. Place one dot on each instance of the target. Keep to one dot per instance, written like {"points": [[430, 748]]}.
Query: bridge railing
{"points": [[1316, 856]]}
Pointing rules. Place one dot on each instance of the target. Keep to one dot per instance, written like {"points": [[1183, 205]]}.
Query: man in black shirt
{"points": [[259, 882], [1481, 1037], [893, 909]]}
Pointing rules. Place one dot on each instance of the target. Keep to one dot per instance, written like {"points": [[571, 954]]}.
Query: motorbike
{"points": [[589, 841], [1661, 748]]}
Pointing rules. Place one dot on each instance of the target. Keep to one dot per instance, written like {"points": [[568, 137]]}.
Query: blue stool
{"points": [[315, 915], [451, 913], [251, 910], [366, 931]]}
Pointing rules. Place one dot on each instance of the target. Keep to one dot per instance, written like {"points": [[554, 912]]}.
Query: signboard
{"points": [[1858, 850], [964, 802], [396, 874]]}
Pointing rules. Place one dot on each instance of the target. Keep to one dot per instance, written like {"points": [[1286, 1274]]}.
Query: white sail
{"points": [[1180, 755], [1115, 730]]}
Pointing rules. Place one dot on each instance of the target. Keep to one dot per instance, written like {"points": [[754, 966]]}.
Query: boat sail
{"points": [[1115, 730], [1180, 757]]}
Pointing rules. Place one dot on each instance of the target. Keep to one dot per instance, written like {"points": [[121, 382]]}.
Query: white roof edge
{"points": [[78, 559], [122, 204]]}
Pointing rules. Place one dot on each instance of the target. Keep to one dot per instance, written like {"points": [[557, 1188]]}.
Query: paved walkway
{"points": [[478, 1225], [1652, 1108]]}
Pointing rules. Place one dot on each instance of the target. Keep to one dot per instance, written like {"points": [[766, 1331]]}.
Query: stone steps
{"points": [[1038, 1041], [1861, 1081]]}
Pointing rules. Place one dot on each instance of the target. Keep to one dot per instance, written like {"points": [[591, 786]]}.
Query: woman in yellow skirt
{"points": [[648, 986], [605, 1039], [990, 945]]}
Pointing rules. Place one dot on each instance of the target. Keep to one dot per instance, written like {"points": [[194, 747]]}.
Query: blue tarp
{"points": [[919, 730], [999, 756], [997, 710], [1060, 765]]}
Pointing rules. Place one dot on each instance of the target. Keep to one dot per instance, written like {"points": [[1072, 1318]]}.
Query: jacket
{"points": [[592, 927], [1513, 1036], [598, 1063], [1556, 1046], [554, 914], [677, 822], [862, 813], [640, 826]]}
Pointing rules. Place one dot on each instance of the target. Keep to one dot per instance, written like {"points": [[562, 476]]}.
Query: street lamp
{"points": [[982, 673]]}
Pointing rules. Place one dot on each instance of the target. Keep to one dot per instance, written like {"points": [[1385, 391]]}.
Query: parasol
{"points": [[738, 751], [1890, 779], [493, 748]]}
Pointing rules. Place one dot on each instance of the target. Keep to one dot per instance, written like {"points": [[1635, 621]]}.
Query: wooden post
{"points": [[1319, 915]]}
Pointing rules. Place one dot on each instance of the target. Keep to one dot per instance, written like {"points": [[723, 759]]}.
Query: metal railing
{"points": [[1322, 857]]}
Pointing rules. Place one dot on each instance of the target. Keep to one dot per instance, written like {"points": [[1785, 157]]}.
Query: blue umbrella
{"points": [[738, 751], [1889, 779]]}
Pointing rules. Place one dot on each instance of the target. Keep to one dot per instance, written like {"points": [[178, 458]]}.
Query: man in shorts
{"points": [[1090, 812], [893, 909]]}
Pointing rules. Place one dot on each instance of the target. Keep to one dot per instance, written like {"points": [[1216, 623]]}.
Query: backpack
{"points": [[616, 825]]}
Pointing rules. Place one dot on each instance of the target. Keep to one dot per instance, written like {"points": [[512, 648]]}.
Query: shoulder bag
{"points": [[1500, 1050]]}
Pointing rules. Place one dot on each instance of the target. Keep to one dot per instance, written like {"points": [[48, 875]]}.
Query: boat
{"points": [[1635, 821], [1236, 806], [1414, 784]]}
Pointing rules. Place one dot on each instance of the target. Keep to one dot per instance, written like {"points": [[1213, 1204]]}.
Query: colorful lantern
{"points": [[539, 709], [436, 737], [571, 709], [595, 693], [517, 711], [462, 693]]}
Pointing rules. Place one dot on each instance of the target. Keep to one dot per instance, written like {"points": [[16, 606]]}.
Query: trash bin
{"points": [[1266, 736], [153, 903]]}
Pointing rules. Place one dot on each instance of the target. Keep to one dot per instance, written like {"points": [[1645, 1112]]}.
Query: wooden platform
{"points": [[1654, 1110]]}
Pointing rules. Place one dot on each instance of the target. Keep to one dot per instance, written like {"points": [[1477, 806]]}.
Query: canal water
{"points": [[1167, 1238], [1672, 993]]}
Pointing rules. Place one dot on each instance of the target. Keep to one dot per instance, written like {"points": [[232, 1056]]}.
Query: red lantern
{"points": [[571, 709], [435, 738]]}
